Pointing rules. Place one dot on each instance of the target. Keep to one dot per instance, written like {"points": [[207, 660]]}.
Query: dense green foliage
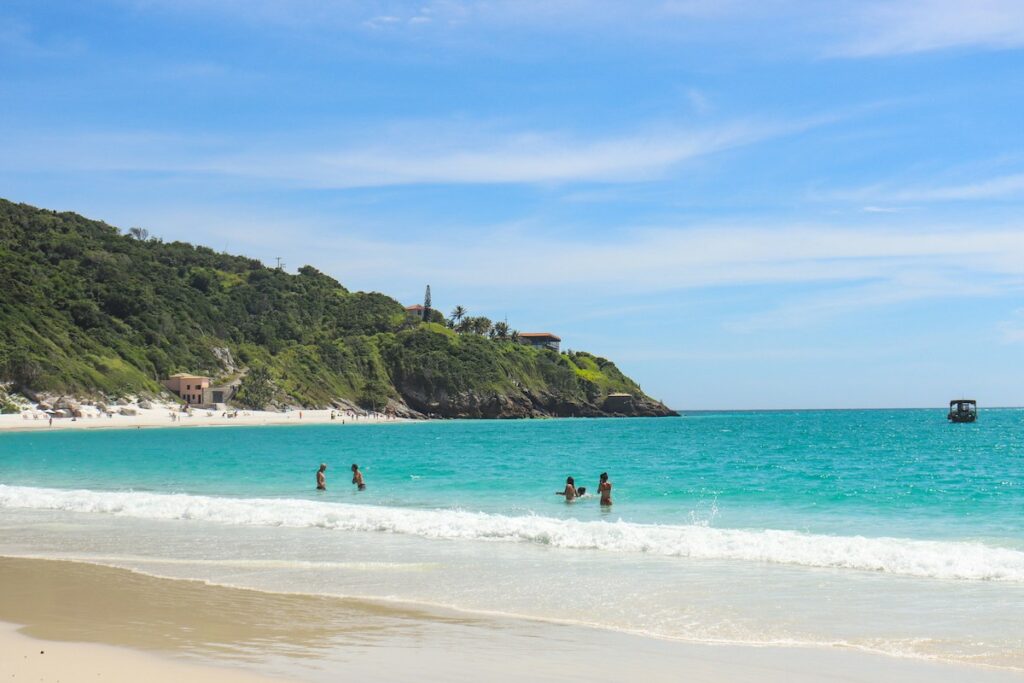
{"points": [[88, 310]]}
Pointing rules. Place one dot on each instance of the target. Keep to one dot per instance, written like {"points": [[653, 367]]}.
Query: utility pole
{"points": [[280, 265]]}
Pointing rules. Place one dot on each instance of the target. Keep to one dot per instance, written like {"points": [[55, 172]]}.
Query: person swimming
{"points": [[570, 492], [321, 478], [605, 489], [357, 477]]}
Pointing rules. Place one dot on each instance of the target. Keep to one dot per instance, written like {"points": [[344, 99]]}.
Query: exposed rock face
{"points": [[224, 357], [472, 404]]}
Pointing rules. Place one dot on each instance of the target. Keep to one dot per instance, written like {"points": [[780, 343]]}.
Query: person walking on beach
{"points": [[570, 490], [605, 489], [357, 477], [321, 478]]}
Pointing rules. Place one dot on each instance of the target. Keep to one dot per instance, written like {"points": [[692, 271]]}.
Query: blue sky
{"points": [[745, 204]]}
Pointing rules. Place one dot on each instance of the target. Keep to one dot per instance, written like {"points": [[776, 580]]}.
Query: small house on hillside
{"points": [[196, 390], [189, 388], [416, 311], [544, 340]]}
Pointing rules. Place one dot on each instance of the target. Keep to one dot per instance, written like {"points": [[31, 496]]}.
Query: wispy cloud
{"points": [[879, 266], [1004, 187], [909, 26], [405, 154], [846, 28], [515, 158]]}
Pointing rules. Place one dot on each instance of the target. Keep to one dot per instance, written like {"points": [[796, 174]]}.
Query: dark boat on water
{"points": [[963, 410]]}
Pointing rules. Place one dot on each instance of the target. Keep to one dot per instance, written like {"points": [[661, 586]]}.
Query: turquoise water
{"points": [[732, 527], [903, 472]]}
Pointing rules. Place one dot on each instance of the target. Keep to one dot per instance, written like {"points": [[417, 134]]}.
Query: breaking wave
{"points": [[899, 556]]}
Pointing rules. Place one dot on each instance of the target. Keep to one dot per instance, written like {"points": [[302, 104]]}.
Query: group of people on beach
{"points": [[321, 477], [571, 493]]}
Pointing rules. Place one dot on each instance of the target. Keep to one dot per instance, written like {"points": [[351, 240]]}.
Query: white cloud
{"points": [[1002, 187], [404, 154], [909, 26], [1007, 187], [516, 158], [887, 265]]}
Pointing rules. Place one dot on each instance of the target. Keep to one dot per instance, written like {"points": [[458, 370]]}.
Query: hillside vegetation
{"points": [[87, 310]]}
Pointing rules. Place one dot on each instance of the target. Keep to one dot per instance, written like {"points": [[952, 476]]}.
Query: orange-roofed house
{"points": [[544, 340]]}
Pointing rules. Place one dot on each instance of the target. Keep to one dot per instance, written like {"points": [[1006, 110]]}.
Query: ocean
{"points": [[883, 530]]}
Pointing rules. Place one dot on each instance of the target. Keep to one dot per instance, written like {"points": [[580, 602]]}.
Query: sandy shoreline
{"points": [[117, 620], [161, 417], [24, 658]]}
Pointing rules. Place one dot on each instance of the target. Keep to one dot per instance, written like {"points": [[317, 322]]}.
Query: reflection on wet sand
{"points": [[72, 601]]}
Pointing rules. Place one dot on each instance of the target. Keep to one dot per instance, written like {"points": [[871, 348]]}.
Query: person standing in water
{"points": [[321, 478], [570, 490], [357, 477], [605, 489]]}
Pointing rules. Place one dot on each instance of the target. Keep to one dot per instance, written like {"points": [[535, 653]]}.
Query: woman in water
{"points": [[357, 477], [605, 489], [321, 478], [570, 490]]}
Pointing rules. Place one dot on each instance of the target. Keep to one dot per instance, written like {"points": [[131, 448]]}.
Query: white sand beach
{"points": [[31, 659], [79, 622], [171, 416]]}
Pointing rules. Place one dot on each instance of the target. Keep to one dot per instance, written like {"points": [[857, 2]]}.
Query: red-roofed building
{"points": [[415, 311], [544, 340]]}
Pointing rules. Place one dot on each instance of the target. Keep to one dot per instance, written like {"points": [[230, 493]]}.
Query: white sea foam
{"points": [[908, 557]]}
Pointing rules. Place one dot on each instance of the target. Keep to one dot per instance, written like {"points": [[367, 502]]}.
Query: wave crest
{"points": [[907, 557]]}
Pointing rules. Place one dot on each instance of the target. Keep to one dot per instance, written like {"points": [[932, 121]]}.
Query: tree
{"points": [[426, 305], [140, 234], [22, 370], [500, 330], [375, 395], [480, 325], [458, 313], [257, 388], [514, 335]]}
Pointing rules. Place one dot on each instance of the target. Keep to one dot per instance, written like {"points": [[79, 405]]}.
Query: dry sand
{"points": [[161, 417], [29, 659], [61, 604]]}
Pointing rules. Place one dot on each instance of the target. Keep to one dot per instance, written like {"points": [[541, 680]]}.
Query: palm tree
{"points": [[458, 314], [480, 325], [500, 330], [514, 335]]}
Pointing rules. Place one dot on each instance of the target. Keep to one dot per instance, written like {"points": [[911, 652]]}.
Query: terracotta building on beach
{"points": [[189, 388]]}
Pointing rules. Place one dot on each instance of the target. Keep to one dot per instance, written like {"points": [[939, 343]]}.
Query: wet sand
{"points": [[120, 619]]}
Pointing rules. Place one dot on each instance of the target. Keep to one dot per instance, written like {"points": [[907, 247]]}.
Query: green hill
{"points": [[89, 311]]}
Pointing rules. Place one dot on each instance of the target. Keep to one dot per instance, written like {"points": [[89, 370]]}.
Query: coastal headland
{"points": [[96, 315]]}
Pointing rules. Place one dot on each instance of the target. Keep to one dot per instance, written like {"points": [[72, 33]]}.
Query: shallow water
{"points": [[885, 530]]}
